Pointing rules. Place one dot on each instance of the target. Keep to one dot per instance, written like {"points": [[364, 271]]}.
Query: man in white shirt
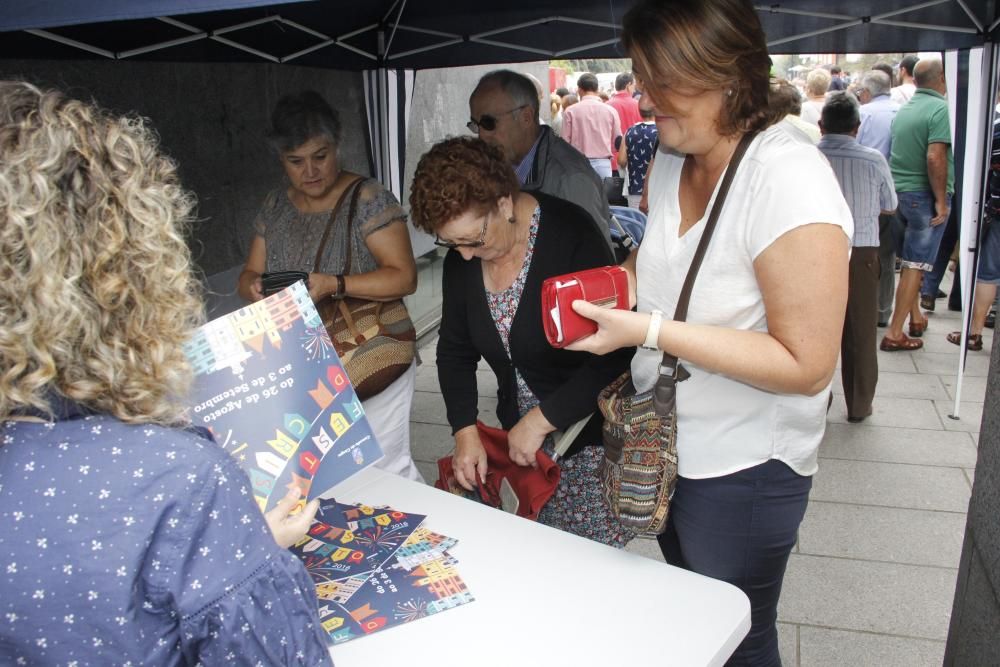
{"points": [[902, 93]]}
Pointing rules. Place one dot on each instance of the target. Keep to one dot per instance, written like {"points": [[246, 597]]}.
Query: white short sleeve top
{"points": [[725, 425]]}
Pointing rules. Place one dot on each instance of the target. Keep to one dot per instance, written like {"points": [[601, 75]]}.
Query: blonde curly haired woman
{"points": [[125, 538]]}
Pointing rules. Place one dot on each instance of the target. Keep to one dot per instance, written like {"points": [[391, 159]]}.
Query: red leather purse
{"points": [[518, 489], [606, 286]]}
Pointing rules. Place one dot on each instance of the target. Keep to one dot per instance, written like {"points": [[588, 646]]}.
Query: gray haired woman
{"points": [[305, 133]]}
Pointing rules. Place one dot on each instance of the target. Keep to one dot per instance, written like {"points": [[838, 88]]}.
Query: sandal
{"points": [[974, 344], [904, 344], [917, 329]]}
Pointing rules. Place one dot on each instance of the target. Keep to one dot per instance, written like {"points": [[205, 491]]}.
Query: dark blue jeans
{"points": [[741, 528]]}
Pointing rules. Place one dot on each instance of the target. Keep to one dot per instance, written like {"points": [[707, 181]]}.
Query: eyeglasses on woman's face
{"points": [[488, 122], [469, 244]]}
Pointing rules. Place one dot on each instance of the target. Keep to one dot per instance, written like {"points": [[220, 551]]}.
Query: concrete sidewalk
{"points": [[872, 579]]}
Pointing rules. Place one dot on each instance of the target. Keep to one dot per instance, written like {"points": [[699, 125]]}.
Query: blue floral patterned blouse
{"points": [[141, 545], [503, 308]]}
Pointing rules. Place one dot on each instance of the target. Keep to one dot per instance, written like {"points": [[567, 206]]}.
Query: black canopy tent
{"points": [[419, 34], [390, 39]]}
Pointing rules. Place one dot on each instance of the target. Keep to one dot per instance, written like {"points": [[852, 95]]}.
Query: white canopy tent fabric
{"points": [[972, 87]]}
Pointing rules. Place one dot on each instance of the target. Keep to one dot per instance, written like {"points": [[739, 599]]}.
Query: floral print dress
{"points": [[576, 506]]}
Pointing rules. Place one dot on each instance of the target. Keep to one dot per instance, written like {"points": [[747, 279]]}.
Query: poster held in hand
{"points": [[271, 389]]}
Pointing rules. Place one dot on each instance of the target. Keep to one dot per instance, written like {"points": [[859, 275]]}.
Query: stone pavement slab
{"points": [[823, 647], [888, 598], [865, 442], [788, 644], [896, 412], [865, 532], [645, 547], [486, 382], [970, 415], [428, 408], [429, 442], [977, 364], [901, 385], [896, 362], [973, 387], [891, 485], [428, 470]]}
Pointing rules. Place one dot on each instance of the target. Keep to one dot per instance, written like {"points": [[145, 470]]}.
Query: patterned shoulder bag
{"points": [[639, 471]]}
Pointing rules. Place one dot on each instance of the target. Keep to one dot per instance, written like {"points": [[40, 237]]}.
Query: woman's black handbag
{"points": [[275, 281]]}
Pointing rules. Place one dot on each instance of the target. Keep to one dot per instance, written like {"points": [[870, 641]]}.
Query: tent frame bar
{"points": [[878, 18], [45, 34]]}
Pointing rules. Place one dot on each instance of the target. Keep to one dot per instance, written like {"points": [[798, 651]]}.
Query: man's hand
{"points": [[942, 210]]}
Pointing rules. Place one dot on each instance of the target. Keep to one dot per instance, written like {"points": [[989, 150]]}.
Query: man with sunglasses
{"points": [[504, 112]]}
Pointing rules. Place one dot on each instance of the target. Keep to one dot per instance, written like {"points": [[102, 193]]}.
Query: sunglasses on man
{"points": [[488, 122]]}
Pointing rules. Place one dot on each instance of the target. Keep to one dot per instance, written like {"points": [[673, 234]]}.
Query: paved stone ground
{"points": [[872, 579]]}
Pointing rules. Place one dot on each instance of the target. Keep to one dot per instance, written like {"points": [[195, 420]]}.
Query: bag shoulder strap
{"points": [[352, 213], [669, 362], [352, 191]]}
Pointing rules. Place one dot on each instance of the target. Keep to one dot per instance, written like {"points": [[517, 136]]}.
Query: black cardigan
{"points": [[566, 383]]}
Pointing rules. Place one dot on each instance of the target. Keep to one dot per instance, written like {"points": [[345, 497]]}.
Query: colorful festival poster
{"points": [[413, 578], [393, 595], [349, 540], [270, 387]]}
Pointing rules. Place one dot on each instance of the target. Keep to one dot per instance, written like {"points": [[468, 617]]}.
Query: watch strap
{"points": [[653, 331]]}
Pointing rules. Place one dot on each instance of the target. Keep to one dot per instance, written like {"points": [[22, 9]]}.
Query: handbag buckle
{"points": [[678, 373]]}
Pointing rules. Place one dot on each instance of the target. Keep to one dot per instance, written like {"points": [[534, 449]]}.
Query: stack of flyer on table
{"points": [[377, 567], [271, 389]]}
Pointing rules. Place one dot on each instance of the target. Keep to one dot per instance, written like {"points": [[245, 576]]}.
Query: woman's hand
{"points": [[321, 285], [286, 527], [527, 437], [469, 457], [615, 328], [256, 287], [249, 284]]}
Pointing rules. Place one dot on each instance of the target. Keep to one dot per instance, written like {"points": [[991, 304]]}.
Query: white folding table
{"points": [[544, 597]]}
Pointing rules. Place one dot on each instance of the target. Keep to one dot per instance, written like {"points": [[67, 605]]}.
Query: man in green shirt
{"points": [[923, 171]]}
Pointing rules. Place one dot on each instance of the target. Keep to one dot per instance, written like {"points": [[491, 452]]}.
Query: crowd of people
{"points": [[99, 296], [908, 126]]}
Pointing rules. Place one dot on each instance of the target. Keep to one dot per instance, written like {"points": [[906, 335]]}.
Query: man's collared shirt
{"points": [[627, 108], [523, 168], [866, 182], [920, 122], [591, 127], [876, 124], [902, 93]]}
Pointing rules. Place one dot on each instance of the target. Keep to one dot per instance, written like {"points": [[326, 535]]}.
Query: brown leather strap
{"points": [[352, 213], [352, 190], [669, 362]]}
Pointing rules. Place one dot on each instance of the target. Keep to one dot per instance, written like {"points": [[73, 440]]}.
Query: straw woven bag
{"points": [[375, 340]]}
